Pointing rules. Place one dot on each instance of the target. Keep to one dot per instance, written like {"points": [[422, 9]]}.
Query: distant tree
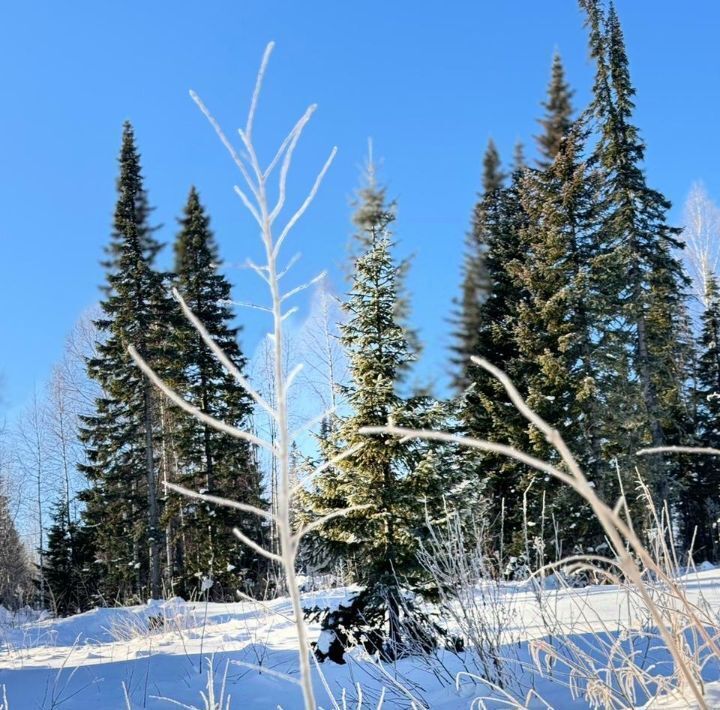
{"points": [[702, 239], [71, 564], [641, 283], [208, 460], [558, 117], [121, 435], [16, 574], [700, 499], [475, 277]]}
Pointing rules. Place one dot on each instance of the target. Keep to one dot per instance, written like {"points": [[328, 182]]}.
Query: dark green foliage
{"points": [[485, 410], [700, 499], [120, 438], [557, 120], [476, 280], [565, 377], [637, 272], [206, 459], [70, 565]]}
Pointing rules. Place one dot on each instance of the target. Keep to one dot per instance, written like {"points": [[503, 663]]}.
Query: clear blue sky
{"points": [[430, 84]]}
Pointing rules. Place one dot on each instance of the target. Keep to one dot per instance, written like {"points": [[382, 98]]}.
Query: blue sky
{"points": [[430, 84]]}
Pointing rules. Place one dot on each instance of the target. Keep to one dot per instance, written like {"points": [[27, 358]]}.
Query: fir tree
{"points": [[640, 280], [390, 477], [70, 558], [555, 332], [208, 460], [122, 506], [558, 114], [700, 500], [475, 277]]}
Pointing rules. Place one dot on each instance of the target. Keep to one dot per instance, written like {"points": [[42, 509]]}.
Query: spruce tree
{"points": [[122, 506], [700, 500], [208, 460], [392, 478], [557, 120], [555, 332], [639, 279], [475, 277], [70, 559], [485, 410]]}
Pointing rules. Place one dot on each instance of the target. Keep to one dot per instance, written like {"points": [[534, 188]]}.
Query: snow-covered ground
{"points": [[107, 658]]}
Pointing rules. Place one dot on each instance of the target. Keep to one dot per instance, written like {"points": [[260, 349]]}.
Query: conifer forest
{"points": [[202, 512]]}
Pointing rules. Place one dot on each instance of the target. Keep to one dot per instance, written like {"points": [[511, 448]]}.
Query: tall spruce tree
{"points": [[555, 332], [640, 280], [208, 460], [122, 506], [558, 117], [485, 410]]}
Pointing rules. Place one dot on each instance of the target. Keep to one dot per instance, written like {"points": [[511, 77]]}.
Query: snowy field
{"points": [[112, 658]]}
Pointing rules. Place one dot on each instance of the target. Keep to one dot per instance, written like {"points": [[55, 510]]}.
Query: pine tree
{"points": [[558, 114], [639, 279], [122, 506], [208, 460], [700, 500]]}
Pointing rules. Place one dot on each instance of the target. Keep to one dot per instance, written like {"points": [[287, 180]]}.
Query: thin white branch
{"points": [[261, 271], [191, 409], [302, 287], [311, 423], [308, 200], [252, 306], [315, 524], [220, 354], [294, 260], [293, 374], [223, 138], [248, 204], [226, 502], [254, 546], [702, 450], [351, 451], [282, 183], [283, 146], [258, 86]]}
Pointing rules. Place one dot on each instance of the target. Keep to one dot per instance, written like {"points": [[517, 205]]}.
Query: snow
{"points": [[91, 660]]}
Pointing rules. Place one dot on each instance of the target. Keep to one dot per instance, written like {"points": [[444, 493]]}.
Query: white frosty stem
{"points": [[226, 362], [256, 200]]}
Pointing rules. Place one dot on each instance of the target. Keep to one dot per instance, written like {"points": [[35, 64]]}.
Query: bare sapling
{"points": [[265, 211]]}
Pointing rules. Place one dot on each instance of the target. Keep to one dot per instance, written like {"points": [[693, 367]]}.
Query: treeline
{"points": [[572, 284]]}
